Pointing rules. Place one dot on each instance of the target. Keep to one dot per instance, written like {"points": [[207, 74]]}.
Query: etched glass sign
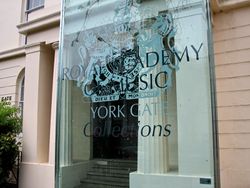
{"points": [[134, 102]]}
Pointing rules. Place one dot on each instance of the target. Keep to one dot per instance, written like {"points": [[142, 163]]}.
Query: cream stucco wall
{"points": [[232, 59], [28, 44], [42, 31], [49, 36], [9, 84], [49, 8], [10, 17]]}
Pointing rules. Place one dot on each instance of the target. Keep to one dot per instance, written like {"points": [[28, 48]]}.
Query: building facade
{"points": [[29, 78], [29, 47]]}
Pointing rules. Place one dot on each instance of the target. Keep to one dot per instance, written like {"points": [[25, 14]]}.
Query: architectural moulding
{"points": [[36, 47], [55, 45], [15, 52], [22, 51], [222, 5], [39, 24]]}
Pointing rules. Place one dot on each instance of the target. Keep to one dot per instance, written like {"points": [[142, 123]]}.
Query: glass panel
{"points": [[34, 4], [134, 102], [21, 96], [22, 90]]}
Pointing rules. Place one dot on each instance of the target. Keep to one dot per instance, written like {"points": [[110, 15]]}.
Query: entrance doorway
{"points": [[115, 127]]}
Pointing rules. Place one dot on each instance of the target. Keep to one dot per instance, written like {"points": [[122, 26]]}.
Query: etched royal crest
{"points": [[112, 80], [131, 63]]}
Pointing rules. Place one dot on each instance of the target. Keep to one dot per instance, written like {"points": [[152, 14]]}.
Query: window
{"points": [[34, 4], [21, 96], [20, 91]]}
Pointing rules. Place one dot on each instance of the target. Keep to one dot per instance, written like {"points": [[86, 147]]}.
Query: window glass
{"points": [[21, 96], [134, 103], [32, 4]]}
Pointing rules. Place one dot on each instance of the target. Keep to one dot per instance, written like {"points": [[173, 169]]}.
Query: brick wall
{"points": [[232, 59]]}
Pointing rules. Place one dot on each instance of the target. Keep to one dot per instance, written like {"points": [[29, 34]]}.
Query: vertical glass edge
{"points": [[58, 103], [213, 97]]}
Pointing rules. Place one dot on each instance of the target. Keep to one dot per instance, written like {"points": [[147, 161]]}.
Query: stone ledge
{"points": [[220, 5], [40, 24], [15, 52]]}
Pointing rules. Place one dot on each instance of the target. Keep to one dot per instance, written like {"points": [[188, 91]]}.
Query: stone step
{"points": [[120, 174], [98, 186], [103, 184], [116, 163], [108, 177], [109, 174], [112, 169]]}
